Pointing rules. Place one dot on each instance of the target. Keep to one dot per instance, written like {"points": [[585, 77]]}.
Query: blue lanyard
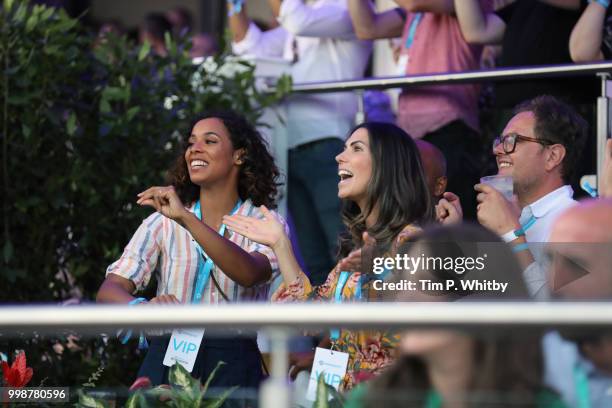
{"points": [[344, 276], [528, 224], [433, 400], [581, 382], [205, 269], [412, 29], [334, 334]]}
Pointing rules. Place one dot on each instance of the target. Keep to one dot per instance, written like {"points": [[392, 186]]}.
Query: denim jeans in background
{"points": [[314, 204]]}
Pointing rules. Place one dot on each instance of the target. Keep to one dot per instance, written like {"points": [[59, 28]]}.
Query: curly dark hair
{"points": [[558, 122], [258, 178]]}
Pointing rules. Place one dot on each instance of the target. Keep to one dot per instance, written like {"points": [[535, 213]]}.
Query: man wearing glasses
{"points": [[539, 148]]}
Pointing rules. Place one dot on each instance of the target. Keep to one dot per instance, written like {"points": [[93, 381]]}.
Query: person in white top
{"points": [[318, 37], [539, 148]]}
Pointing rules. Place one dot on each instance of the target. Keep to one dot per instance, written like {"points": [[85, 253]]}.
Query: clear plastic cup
{"points": [[503, 184]]}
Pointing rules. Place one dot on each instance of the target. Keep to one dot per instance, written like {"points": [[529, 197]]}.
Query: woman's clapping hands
{"points": [[267, 231]]}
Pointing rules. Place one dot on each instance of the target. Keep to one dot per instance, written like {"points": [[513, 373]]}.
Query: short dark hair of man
{"points": [[557, 122]]}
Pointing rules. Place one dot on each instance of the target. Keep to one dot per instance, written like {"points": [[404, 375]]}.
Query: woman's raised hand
{"points": [[267, 231], [164, 200], [352, 262]]}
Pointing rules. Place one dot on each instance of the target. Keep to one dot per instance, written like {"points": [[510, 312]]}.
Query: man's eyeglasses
{"points": [[508, 141]]}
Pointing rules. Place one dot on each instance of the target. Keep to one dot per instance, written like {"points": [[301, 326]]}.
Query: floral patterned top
{"points": [[369, 351]]}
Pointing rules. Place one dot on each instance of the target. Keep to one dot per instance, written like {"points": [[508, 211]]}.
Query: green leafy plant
{"points": [[84, 126], [324, 392], [184, 391], [94, 377]]}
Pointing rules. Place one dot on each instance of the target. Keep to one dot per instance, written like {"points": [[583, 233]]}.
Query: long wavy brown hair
{"points": [[258, 177], [397, 187]]}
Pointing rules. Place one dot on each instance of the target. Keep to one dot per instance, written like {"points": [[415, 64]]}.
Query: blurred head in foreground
{"points": [[580, 250], [462, 367], [580, 254]]}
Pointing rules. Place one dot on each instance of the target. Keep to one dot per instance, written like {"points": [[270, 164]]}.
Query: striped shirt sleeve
{"points": [[141, 254]]}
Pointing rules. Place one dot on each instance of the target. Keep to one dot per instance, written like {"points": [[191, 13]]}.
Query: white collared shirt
{"points": [[545, 210], [319, 36]]}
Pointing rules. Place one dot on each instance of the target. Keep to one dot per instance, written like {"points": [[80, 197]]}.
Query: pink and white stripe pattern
{"points": [[162, 246]]}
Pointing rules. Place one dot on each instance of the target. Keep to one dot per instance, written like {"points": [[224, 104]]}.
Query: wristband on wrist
{"points": [[235, 6], [603, 3], [509, 236], [513, 234], [124, 337], [520, 247]]}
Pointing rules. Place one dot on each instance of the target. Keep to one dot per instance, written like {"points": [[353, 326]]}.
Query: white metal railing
{"points": [[601, 70], [500, 74], [306, 315], [280, 321]]}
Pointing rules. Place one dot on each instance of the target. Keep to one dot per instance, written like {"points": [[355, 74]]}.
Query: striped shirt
{"points": [[162, 246]]}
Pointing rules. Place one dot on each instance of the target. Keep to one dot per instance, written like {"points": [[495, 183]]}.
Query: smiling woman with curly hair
{"points": [[258, 173], [225, 168]]}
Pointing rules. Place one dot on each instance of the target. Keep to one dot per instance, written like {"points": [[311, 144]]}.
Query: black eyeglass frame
{"points": [[517, 137]]}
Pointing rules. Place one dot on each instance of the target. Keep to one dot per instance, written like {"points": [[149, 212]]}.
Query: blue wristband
{"points": [[235, 6], [520, 247], [603, 3], [142, 341], [136, 301]]}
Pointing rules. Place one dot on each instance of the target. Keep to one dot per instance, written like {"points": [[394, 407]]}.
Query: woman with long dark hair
{"points": [[386, 199], [225, 168]]}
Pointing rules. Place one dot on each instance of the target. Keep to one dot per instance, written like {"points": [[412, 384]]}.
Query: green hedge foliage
{"points": [[83, 129]]}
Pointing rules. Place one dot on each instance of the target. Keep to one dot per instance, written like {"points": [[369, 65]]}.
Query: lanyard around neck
{"points": [[581, 384], [334, 334], [532, 220], [412, 29], [433, 400], [205, 269], [524, 227]]}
